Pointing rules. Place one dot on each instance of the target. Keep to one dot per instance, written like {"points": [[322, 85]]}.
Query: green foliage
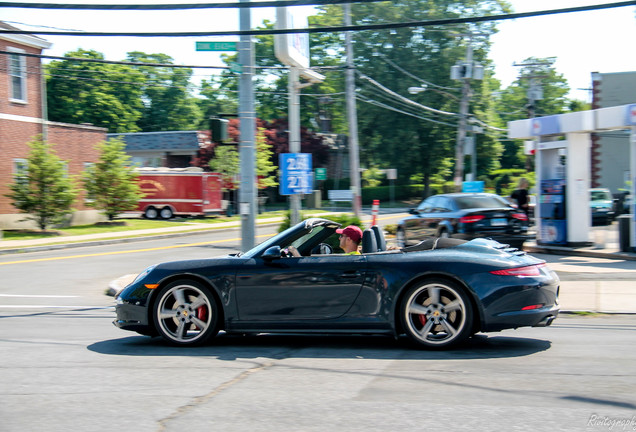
{"points": [[168, 104], [110, 183], [226, 162], [101, 94], [265, 168], [44, 191], [372, 177]]}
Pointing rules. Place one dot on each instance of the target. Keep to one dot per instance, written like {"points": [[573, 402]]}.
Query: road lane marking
{"points": [[238, 239], [53, 307], [125, 252], [37, 296]]}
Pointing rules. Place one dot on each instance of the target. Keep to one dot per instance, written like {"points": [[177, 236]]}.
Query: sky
{"points": [[582, 42]]}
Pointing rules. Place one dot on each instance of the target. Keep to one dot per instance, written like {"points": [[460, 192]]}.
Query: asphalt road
{"points": [[64, 366], [71, 369]]}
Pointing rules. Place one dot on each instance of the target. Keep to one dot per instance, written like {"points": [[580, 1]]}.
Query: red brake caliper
{"points": [[202, 313], [422, 319]]}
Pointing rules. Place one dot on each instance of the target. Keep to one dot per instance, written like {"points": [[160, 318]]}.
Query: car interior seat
{"points": [[379, 238], [369, 243]]}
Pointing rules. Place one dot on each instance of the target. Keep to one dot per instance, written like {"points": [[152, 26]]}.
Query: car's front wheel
{"points": [[437, 314], [186, 313]]}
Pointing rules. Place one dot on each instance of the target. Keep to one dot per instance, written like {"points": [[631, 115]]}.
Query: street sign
{"points": [[216, 46], [296, 175], [473, 186], [236, 67], [321, 173]]}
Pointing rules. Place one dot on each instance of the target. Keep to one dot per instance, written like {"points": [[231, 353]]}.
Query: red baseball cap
{"points": [[352, 231]]}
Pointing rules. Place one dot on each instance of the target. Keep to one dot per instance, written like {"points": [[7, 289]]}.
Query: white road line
{"points": [[53, 307], [37, 296]]}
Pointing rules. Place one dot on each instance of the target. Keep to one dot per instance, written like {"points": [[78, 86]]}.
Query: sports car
{"points": [[439, 292]]}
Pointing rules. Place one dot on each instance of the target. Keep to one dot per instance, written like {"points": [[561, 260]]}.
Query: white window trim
{"points": [[23, 76]]}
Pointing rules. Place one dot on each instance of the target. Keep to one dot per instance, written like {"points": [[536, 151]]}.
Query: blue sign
{"points": [[296, 173], [473, 186]]}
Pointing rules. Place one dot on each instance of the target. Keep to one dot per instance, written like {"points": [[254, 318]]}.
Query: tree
{"points": [[513, 103], [44, 190], [168, 104], [264, 164], [110, 183], [104, 95], [226, 163]]}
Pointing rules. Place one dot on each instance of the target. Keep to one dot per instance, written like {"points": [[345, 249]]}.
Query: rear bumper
{"points": [[542, 317]]}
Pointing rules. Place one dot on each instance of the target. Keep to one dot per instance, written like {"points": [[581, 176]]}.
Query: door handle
{"points": [[352, 274]]}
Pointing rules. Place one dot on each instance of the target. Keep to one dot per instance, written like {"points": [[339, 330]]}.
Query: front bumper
{"points": [[132, 317]]}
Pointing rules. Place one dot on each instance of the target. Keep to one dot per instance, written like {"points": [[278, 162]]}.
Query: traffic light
{"points": [[219, 129]]}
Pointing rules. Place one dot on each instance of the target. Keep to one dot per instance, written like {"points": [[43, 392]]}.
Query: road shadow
{"points": [[232, 347]]}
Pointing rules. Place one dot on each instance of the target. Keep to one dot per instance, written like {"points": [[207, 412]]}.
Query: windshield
{"points": [[600, 196], [470, 202], [298, 237]]}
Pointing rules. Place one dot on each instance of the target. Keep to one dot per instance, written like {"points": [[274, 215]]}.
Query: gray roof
{"points": [[164, 141]]}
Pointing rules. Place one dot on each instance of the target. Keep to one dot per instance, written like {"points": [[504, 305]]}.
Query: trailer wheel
{"points": [[166, 213], [151, 213]]}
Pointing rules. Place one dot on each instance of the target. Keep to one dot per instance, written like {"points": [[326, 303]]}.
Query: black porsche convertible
{"points": [[438, 292]]}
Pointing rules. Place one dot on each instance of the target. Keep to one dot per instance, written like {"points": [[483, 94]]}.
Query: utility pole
{"points": [[247, 116], [535, 92], [464, 71], [352, 116], [294, 135]]}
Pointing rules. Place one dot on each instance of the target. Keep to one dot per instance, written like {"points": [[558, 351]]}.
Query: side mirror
{"points": [[414, 211], [272, 253]]}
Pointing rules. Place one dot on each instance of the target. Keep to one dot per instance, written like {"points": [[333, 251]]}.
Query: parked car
{"points": [[464, 216], [438, 293], [602, 206]]}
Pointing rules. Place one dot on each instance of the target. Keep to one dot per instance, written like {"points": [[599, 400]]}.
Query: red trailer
{"points": [[179, 192]]}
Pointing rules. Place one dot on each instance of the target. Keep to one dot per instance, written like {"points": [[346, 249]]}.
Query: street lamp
{"points": [[416, 90]]}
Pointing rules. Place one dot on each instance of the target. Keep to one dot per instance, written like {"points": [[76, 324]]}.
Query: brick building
{"points": [[22, 118]]}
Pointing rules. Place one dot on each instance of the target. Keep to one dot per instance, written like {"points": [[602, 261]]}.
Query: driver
{"points": [[350, 238]]}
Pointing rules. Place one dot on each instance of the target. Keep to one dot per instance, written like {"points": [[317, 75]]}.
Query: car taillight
{"points": [[532, 307], [520, 216], [533, 270], [471, 218]]}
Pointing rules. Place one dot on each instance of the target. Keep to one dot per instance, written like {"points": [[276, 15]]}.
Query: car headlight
{"points": [[144, 273]]}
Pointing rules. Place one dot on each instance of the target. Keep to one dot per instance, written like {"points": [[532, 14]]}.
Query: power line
{"points": [[426, 23], [259, 4], [382, 105], [408, 101]]}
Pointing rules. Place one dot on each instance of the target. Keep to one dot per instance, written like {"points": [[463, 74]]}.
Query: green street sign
{"points": [[321, 173], [236, 68], [216, 46]]}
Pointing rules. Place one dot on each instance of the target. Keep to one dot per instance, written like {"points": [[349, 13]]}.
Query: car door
{"points": [[305, 288]]}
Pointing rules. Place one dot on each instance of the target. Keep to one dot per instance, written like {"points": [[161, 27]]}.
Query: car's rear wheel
{"points": [[436, 314], [186, 313]]}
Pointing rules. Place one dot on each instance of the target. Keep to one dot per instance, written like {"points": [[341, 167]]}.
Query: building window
{"points": [[17, 76], [20, 170]]}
